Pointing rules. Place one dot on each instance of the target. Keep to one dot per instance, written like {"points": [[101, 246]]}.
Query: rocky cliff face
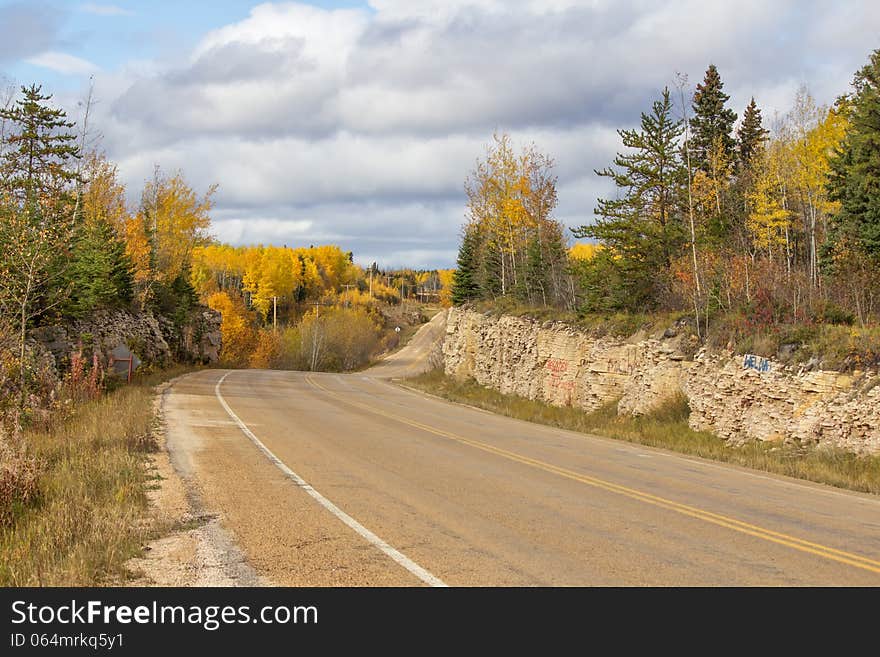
{"points": [[739, 398], [154, 339]]}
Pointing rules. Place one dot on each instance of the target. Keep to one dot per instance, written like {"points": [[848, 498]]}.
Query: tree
{"points": [[852, 252], [712, 121], [99, 273], [464, 282], [446, 277], [511, 198], [37, 154], [768, 219], [36, 217], [177, 221], [814, 134], [750, 137], [642, 227], [236, 329], [855, 169]]}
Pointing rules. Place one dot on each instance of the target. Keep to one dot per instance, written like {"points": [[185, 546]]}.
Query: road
{"points": [[350, 480]]}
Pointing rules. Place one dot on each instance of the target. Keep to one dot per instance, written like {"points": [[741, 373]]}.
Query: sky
{"points": [[357, 123]]}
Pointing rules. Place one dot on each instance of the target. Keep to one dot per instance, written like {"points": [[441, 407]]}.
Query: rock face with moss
{"points": [[737, 397]]}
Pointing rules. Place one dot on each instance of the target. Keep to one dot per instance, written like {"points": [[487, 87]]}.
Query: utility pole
{"points": [[318, 304], [347, 286]]}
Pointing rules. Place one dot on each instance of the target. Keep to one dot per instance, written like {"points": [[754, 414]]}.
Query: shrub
{"points": [[19, 477]]}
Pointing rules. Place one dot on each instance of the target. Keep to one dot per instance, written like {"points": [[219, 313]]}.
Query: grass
{"points": [[619, 324], [89, 515], [839, 347], [667, 428]]}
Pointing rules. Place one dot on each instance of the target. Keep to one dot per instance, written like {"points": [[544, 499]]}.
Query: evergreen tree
{"points": [[99, 272], [490, 268], [36, 194], [855, 170], [465, 286], [642, 227], [536, 280], [751, 135], [712, 121], [38, 152]]}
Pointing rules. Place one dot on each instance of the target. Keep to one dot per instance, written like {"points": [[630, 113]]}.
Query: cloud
{"points": [[104, 10], [64, 63], [28, 28], [362, 124]]}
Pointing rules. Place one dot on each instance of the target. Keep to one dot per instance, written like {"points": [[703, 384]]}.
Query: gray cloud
{"points": [[28, 28], [360, 127]]}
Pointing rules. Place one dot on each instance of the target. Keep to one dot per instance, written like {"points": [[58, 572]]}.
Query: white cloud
{"points": [[62, 62], [104, 10], [360, 125]]}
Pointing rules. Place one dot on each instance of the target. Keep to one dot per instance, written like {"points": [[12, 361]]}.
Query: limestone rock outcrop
{"points": [[737, 397]]}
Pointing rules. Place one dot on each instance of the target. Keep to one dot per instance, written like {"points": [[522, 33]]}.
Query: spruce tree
{"points": [[99, 273], [38, 154], [36, 194], [855, 170], [536, 278], [711, 121], [464, 282], [642, 226], [751, 135]]}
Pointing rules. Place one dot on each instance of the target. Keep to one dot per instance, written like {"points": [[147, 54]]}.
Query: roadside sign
{"points": [[123, 362]]}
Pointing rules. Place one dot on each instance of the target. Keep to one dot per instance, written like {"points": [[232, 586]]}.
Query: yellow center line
{"points": [[793, 542]]}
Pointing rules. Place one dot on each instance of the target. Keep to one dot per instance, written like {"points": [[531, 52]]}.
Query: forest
{"points": [[742, 225], [73, 244]]}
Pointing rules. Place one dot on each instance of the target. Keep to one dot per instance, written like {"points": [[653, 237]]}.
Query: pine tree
{"points": [[38, 153], [712, 121], [855, 171], [99, 273], [36, 195], [643, 227], [751, 135], [464, 282]]}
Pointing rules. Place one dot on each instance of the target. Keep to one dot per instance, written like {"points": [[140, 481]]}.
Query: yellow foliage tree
{"points": [[178, 220], [583, 250], [768, 219], [446, 277], [103, 198], [236, 329]]}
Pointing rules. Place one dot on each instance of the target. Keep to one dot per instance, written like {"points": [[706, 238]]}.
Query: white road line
{"points": [[398, 556]]}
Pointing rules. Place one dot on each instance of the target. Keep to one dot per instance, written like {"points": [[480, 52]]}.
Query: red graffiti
{"points": [[556, 365]]}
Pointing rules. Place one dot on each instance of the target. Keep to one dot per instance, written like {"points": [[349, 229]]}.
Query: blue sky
{"points": [[110, 34], [356, 123]]}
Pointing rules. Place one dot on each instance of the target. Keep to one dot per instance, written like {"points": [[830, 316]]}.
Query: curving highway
{"points": [[329, 480]]}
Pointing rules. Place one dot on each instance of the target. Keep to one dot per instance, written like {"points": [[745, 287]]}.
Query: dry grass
{"points": [[88, 515], [666, 428]]}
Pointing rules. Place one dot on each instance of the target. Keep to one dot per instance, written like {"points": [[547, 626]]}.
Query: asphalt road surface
{"points": [[329, 480]]}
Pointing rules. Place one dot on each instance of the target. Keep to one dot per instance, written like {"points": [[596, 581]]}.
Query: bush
{"points": [[268, 351], [19, 477], [336, 339]]}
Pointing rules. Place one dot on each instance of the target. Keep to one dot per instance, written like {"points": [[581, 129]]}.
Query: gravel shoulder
{"points": [[195, 549]]}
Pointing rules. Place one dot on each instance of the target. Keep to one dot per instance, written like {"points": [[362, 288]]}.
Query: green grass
{"points": [[667, 428], [90, 514]]}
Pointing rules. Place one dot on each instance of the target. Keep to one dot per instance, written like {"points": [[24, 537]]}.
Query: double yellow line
{"points": [[779, 538]]}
